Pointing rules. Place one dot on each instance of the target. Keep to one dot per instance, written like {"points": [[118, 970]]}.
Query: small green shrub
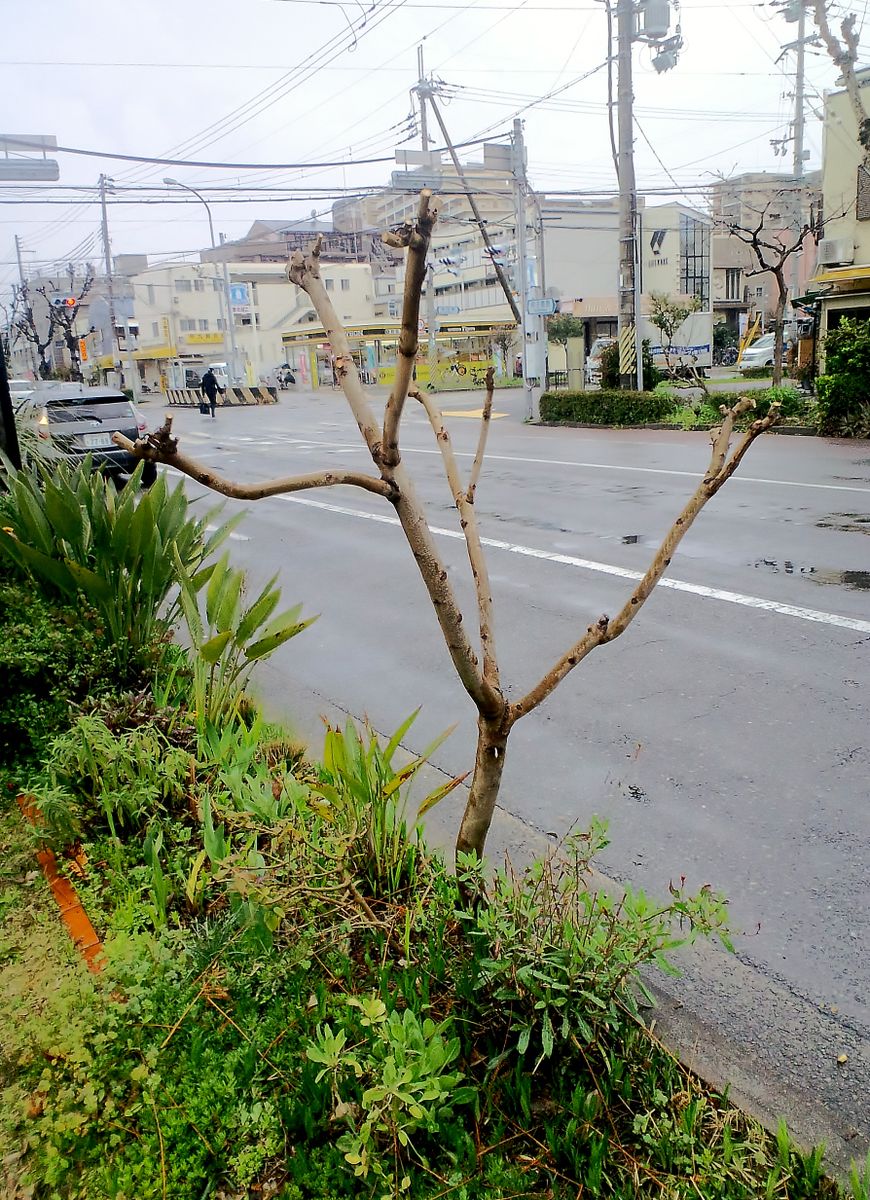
{"points": [[52, 656], [757, 372], [842, 392], [607, 407], [652, 376]]}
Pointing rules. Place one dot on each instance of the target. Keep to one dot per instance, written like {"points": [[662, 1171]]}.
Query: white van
{"points": [[221, 374]]}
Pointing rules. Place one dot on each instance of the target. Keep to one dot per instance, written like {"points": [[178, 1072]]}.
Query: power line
{"points": [[24, 144]]}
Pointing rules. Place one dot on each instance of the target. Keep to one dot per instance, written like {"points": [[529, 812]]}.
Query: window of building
{"points": [[183, 285], [155, 329], [187, 325], [732, 283], [221, 324], [330, 285], [199, 285], [203, 324], [695, 259], [150, 292], [759, 292], [345, 285], [217, 285]]}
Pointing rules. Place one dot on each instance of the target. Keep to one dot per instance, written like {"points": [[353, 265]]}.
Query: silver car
{"points": [[76, 421]]}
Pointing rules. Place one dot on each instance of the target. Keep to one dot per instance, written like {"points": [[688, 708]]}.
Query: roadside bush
{"points": [[80, 539], [842, 392], [607, 407], [757, 372], [51, 657]]}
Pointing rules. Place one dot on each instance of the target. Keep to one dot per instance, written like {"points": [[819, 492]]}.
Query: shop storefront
{"points": [[464, 352]]}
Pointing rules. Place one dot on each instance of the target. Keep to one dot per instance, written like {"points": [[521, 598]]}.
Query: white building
{"points": [[181, 310]]}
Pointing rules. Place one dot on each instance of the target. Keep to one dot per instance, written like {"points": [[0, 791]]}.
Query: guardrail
{"points": [[192, 397]]}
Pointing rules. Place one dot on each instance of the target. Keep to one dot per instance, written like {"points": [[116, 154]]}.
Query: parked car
{"points": [[20, 390], [760, 353], [75, 421], [593, 360]]}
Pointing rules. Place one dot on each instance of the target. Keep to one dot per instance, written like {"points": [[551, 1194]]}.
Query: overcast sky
{"points": [[151, 78]]}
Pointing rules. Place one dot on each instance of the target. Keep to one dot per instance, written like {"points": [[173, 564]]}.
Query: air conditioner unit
{"points": [[836, 252]]}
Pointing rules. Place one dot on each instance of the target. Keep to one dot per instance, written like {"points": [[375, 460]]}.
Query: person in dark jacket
{"points": [[210, 388]]}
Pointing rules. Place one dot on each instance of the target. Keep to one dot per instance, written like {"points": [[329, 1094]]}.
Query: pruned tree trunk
{"points": [[479, 675], [489, 762], [779, 326]]}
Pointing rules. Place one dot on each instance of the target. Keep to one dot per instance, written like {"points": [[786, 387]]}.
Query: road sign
{"points": [[447, 310], [19, 165], [541, 307], [83, 350]]}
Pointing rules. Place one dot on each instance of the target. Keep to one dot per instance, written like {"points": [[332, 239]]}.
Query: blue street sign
{"points": [[541, 307]]}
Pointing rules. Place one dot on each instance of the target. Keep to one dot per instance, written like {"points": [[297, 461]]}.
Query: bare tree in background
{"points": [[64, 316], [771, 249], [844, 55], [39, 334], [476, 665]]}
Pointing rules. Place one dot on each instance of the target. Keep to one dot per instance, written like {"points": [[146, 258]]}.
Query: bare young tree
{"points": [[668, 315], [39, 334], [477, 667], [64, 316], [771, 250]]}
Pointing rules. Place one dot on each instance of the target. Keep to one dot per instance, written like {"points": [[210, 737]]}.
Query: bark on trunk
{"points": [[492, 736], [778, 331]]}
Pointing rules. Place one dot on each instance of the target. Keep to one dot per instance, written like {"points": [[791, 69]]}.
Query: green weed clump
{"points": [[52, 656]]}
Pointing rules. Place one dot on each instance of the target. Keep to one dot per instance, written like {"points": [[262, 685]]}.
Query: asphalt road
{"points": [[724, 736]]}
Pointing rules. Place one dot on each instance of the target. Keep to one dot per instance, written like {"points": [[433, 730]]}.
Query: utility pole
{"points": [[107, 252], [426, 93], [421, 87], [629, 363], [231, 324], [798, 149], [22, 281]]}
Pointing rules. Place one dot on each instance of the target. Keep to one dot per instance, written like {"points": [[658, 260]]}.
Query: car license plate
{"points": [[96, 441]]}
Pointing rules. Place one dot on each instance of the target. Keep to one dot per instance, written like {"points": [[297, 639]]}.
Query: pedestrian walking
{"points": [[210, 388]]}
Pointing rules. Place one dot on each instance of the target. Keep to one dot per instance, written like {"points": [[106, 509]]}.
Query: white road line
{"points": [[587, 564], [235, 536], [559, 462]]}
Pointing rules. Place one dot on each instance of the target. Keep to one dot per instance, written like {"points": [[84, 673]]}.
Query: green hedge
{"points": [[607, 407]]}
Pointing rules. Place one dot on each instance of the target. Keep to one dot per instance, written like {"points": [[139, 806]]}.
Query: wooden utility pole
{"points": [[630, 369]]}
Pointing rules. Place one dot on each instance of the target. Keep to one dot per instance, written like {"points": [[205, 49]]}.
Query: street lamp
{"points": [[227, 304]]}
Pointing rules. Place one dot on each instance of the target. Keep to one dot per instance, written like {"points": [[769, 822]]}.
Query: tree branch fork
{"points": [[481, 679]]}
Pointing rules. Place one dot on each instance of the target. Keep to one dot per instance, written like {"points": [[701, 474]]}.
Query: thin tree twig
{"points": [[156, 448], [605, 629], [485, 422], [409, 510], [471, 533], [416, 238], [304, 271]]}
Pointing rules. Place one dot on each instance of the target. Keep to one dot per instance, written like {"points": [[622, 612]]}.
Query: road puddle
{"points": [[860, 580]]}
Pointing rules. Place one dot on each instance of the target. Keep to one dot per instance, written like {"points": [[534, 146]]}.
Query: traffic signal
{"points": [[63, 302]]}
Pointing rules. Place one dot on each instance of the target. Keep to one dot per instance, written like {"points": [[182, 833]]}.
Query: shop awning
{"points": [[155, 352], [854, 274]]}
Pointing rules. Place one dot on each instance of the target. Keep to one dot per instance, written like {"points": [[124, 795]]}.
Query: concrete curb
{"points": [[794, 430]]}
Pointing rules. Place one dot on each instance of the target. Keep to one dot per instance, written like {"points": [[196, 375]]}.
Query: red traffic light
{"points": [[69, 302]]}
